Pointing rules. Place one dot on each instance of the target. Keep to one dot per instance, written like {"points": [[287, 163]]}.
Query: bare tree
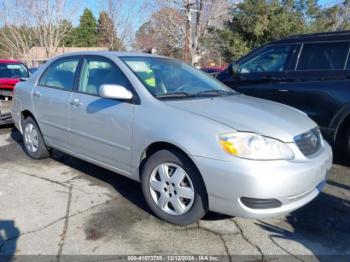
{"points": [[123, 14], [16, 37], [342, 19], [199, 16], [35, 23]]}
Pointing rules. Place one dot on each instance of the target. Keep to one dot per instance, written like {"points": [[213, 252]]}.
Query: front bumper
{"points": [[293, 183], [6, 92], [5, 112]]}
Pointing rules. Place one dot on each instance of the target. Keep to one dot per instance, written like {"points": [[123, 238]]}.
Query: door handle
{"points": [[282, 90], [36, 94], [75, 102]]}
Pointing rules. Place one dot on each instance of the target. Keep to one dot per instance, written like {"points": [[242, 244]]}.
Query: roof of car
{"points": [[3, 61], [316, 37], [109, 53]]}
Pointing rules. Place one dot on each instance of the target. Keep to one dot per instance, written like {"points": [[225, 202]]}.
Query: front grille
{"points": [[309, 142]]}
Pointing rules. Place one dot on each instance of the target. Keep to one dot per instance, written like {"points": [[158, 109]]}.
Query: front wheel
{"points": [[173, 188], [33, 140]]}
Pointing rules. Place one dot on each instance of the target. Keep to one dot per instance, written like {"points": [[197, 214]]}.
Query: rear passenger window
{"points": [[323, 56], [60, 74]]}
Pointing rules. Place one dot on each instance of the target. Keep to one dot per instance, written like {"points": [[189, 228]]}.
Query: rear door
{"points": [[50, 99], [318, 79], [262, 73], [101, 128]]}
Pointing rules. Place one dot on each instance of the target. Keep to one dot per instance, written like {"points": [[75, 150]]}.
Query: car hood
{"points": [[251, 114]]}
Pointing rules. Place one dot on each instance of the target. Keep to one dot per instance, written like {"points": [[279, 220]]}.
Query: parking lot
{"points": [[64, 206]]}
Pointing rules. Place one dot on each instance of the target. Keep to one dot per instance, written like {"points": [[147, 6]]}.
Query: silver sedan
{"points": [[194, 144]]}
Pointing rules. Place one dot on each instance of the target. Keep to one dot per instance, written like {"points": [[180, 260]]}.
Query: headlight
{"points": [[254, 146]]}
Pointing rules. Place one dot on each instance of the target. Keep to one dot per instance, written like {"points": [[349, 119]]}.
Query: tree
{"points": [[257, 22], [17, 41], [184, 24], [145, 37], [163, 32], [86, 32], [34, 23], [107, 33], [69, 39], [123, 14]]}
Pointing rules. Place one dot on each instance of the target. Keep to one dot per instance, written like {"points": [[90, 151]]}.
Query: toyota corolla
{"points": [[194, 144]]}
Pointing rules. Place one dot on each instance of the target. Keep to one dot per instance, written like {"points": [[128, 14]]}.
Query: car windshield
{"points": [[170, 78], [13, 70]]}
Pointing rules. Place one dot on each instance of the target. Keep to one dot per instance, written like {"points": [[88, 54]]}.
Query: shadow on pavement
{"points": [[322, 226], [8, 231], [129, 189]]}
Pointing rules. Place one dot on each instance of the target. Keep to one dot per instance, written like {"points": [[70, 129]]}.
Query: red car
{"points": [[11, 72]]}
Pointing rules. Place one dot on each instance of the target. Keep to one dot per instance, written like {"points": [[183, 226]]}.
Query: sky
{"points": [[139, 5], [95, 6]]}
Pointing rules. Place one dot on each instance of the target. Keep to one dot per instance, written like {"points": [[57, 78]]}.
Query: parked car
{"points": [[309, 72], [194, 144], [11, 71], [32, 69], [5, 111]]}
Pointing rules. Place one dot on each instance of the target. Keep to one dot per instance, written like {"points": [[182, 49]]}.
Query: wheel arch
{"points": [[340, 122], [25, 114], [163, 145]]}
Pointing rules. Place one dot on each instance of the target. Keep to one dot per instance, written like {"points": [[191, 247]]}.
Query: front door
{"points": [[100, 128], [50, 99], [262, 73]]}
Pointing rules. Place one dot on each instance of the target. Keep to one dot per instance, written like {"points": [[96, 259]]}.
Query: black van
{"points": [[309, 72]]}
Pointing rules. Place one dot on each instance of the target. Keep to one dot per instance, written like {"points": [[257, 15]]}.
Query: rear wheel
{"points": [[173, 188], [33, 141]]}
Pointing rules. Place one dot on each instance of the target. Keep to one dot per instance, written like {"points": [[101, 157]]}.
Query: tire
{"points": [[185, 189], [33, 140]]}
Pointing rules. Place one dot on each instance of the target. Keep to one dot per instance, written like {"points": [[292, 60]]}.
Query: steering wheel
{"points": [[259, 68]]}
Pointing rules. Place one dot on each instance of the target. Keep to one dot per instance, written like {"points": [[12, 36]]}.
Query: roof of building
{"points": [[39, 53], [8, 61]]}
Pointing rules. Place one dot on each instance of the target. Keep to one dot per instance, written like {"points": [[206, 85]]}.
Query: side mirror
{"points": [[115, 92]]}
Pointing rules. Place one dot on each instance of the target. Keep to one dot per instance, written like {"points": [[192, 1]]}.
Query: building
{"points": [[38, 54]]}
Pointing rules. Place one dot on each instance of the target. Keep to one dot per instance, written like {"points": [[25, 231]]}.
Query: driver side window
{"points": [[271, 59]]}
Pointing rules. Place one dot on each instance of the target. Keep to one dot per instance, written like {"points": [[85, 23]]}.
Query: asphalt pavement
{"points": [[64, 206]]}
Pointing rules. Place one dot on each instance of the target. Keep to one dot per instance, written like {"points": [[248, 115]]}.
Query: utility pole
{"points": [[188, 31]]}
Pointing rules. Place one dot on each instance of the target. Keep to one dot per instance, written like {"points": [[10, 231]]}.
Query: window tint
{"points": [[323, 56], [97, 72], [271, 59], [60, 74]]}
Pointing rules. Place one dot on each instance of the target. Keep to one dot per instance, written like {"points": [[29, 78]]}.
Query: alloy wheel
{"points": [[31, 138]]}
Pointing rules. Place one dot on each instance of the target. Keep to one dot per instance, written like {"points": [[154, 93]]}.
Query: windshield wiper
{"points": [[214, 93], [174, 95]]}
